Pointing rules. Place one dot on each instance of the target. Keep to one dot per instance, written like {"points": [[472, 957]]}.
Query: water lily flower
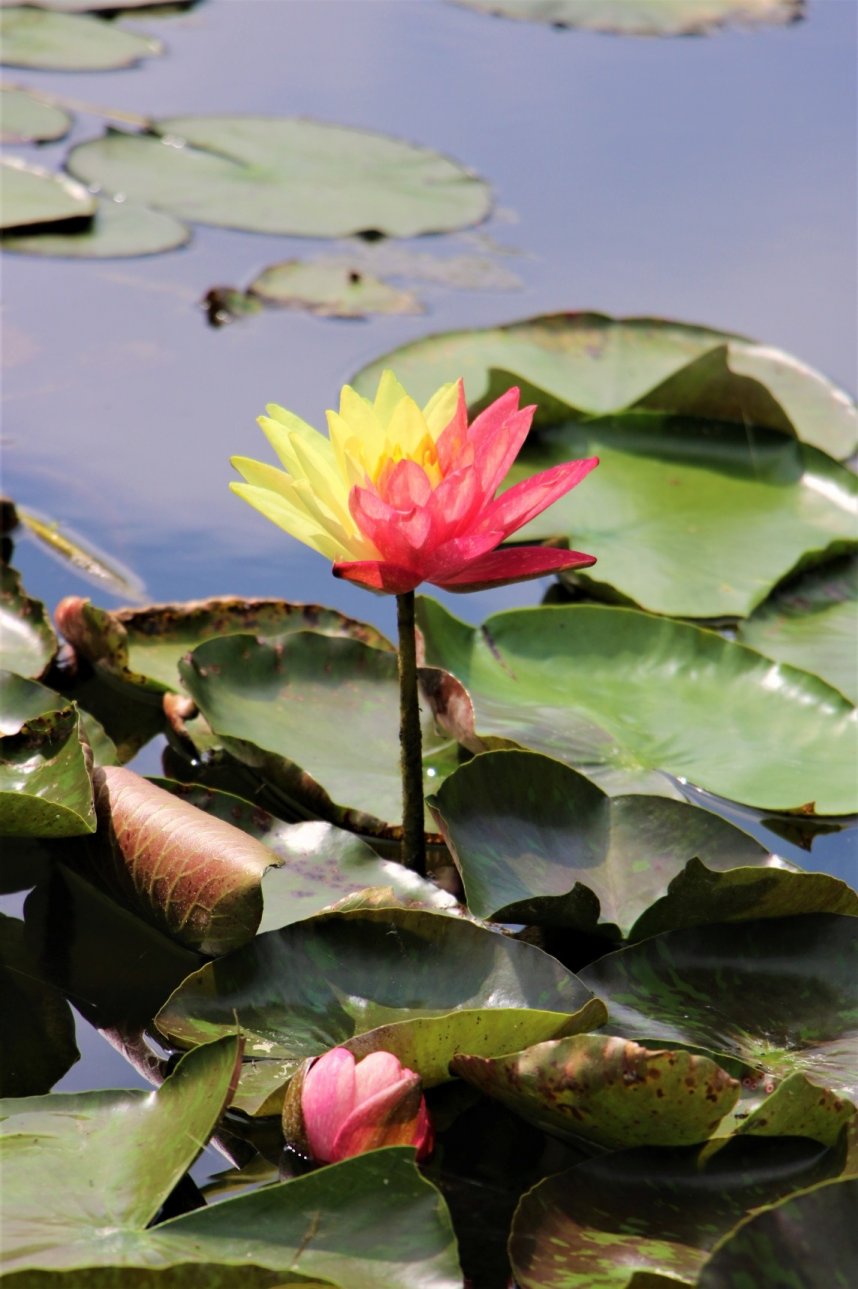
{"points": [[348, 1107], [397, 495]]}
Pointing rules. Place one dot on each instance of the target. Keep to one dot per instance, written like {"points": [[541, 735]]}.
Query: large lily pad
{"points": [[812, 622], [644, 17], [608, 1091], [317, 716], [69, 42], [628, 699], [142, 647], [45, 790], [37, 1027], [576, 366], [337, 976], [118, 229], [27, 640], [280, 175], [33, 197], [780, 995], [812, 1234], [26, 118], [648, 1217], [331, 290]]}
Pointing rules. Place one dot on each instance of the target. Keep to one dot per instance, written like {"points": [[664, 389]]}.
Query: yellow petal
{"points": [[388, 396], [280, 512], [407, 429], [441, 408], [324, 478]]}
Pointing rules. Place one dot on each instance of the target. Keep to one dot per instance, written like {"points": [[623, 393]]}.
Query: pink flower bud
{"points": [[349, 1107]]}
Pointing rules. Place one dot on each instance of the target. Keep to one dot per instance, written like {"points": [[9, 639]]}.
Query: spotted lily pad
{"points": [[26, 118], [331, 290], [69, 42], [280, 175], [118, 229], [645, 17], [27, 640], [628, 698], [34, 197], [780, 995]]}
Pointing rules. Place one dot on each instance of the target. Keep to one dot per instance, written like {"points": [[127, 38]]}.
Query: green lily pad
{"points": [[320, 983], [33, 196], [26, 118], [281, 175], [27, 640], [607, 1091], [645, 17], [142, 647], [69, 42], [298, 709], [37, 1022], [812, 622], [649, 1217], [576, 366], [318, 864], [45, 790], [812, 1234], [793, 1108], [118, 229], [780, 995], [331, 290], [628, 699]]}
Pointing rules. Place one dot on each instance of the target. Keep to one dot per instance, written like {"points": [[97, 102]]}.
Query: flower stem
{"points": [[411, 753]]}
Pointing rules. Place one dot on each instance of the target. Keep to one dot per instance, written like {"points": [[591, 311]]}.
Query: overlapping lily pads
{"points": [[32, 196], [27, 118], [72, 42], [118, 229], [629, 698], [644, 17], [281, 175]]}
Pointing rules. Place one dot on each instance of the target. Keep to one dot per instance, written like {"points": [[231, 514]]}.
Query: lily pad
{"points": [[45, 790], [628, 699], [69, 42], [607, 1091], [27, 640], [812, 1234], [812, 622], [142, 647], [576, 366], [98, 6], [780, 995], [68, 547], [317, 717], [37, 1022], [33, 196], [331, 290], [793, 1108], [26, 118], [281, 175], [645, 17], [119, 229], [649, 1217], [335, 977]]}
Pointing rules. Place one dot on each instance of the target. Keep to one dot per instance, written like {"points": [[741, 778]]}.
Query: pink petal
{"points": [[524, 500], [451, 441], [424, 1133], [395, 534], [497, 448], [375, 1072], [455, 555], [390, 1118], [327, 1099], [378, 575], [515, 564], [454, 503], [406, 486]]}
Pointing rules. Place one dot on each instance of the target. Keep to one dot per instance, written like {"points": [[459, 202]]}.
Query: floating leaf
{"points": [[643, 17], [812, 622], [84, 558], [280, 175], [812, 1234], [33, 196], [331, 290], [27, 640], [45, 789], [69, 42], [98, 6], [27, 118], [649, 1217], [627, 698], [576, 366], [316, 716], [37, 1022], [608, 1091], [118, 229], [780, 995]]}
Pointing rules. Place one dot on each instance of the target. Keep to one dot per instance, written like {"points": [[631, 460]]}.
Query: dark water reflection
{"points": [[711, 180]]}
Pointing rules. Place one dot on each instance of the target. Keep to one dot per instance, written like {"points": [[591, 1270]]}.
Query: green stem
{"points": [[411, 752]]}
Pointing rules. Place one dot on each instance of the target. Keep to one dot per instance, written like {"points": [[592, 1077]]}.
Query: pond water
{"points": [[706, 179]]}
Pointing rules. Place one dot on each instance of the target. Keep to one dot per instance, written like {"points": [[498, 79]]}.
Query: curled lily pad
{"points": [[37, 1022], [608, 1091], [45, 789], [794, 1107], [27, 118], [643, 17], [34, 197], [69, 42], [780, 995], [118, 229], [280, 175], [27, 640], [628, 698], [331, 290]]}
